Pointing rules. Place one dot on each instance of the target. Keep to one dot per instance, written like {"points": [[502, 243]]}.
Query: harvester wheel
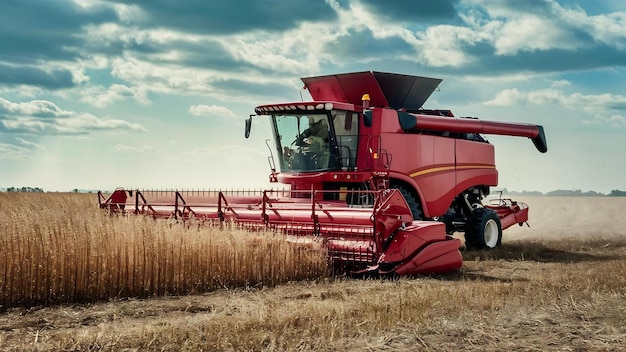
{"points": [[484, 230], [414, 204]]}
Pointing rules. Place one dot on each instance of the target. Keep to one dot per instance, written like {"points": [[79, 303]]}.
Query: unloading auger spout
{"points": [[475, 126]]}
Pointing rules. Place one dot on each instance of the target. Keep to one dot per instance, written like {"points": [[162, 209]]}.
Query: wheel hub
{"points": [[491, 233]]}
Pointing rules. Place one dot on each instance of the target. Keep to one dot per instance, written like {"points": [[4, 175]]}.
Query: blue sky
{"points": [[97, 94]]}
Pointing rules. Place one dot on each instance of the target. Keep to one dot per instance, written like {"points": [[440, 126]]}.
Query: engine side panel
{"points": [[426, 161], [475, 165]]}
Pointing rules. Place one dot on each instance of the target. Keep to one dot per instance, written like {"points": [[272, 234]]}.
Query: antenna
{"points": [[301, 98]]}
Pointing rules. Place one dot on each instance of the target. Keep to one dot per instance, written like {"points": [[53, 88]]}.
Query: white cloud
{"points": [[212, 111], [515, 29], [101, 97], [44, 117], [227, 152], [127, 13], [24, 125], [79, 77], [294, 52], [510, 97], [170, 78], [14, 152], [617, 121], [444, 45], [95, 61], [602, 106], [81, 123], [26, 91], [560, 83], [29, 144], [140, 149], [40, 108], [609, 29], [530, 33]]}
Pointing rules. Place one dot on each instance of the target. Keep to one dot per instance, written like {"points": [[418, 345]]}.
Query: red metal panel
{"points": [[475, 165], [326, 88], [438, 257], [511, 213], [423, 247], [430, 162], [409, 241], [385, 89], [347, 88]]}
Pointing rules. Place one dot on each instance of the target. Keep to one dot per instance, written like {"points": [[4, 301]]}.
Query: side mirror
{"points": [[248, 126], [367, 118]]}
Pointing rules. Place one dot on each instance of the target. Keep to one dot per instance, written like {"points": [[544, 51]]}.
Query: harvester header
{"points": [[384, 182]]}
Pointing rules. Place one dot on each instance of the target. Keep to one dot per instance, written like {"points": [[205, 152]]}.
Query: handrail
{"points": [[266, 203], [220, 212], [267, 209], [145, 202], [101, 198], [176, 211]]}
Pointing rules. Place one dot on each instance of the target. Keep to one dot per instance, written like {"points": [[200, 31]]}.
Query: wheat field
{"points": [[556, 286], [61, 248]]}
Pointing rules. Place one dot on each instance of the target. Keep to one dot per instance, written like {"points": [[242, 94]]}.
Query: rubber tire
{"points": [[484, 230], [414, 204]]}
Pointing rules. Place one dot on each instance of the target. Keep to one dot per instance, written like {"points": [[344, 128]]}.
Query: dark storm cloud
{"points": [[33, 76], [213, 56], [44, 29], [429, 11], [39, 31], [617, 106], [363, 45], [394, 52], [206, 54], [227, 17], [537, 7], [549, 61]]}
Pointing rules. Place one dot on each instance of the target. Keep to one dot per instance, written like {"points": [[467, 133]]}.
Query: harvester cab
{"points": [[442, 164], [382, 181]]}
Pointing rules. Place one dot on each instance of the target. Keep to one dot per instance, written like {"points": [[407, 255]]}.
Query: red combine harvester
{"points": [[384, 182]]}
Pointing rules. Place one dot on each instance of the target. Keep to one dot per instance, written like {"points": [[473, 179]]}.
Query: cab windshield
{"points": [[316, 141]]}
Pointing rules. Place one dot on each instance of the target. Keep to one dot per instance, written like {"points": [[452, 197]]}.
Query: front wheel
{"points": [[483, 230]]}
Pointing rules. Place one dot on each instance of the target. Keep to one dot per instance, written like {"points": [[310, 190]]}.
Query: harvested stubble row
{"points": [[60, 248]]}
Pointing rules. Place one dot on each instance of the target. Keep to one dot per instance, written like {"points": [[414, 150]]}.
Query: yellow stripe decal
{"points": [[446, 168], [431, 170]]}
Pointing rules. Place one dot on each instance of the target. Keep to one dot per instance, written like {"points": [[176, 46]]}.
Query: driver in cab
{"points": [[315, 140]]}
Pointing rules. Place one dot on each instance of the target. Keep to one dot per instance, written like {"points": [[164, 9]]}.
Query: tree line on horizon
{"points": [[25, 189], [556, 193], [566, 193]]}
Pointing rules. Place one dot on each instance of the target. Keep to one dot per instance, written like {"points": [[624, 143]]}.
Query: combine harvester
{"points": [[382, 181]]}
